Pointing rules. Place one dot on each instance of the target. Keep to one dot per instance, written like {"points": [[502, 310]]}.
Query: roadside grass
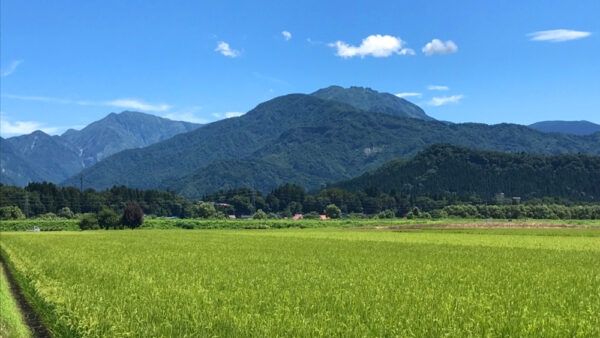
{"points": [[315, 282], [11, 321]]}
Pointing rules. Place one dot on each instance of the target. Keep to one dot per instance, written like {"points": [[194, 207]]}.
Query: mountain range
{"points": [[443, 169], [310, 140], [567, 127], [40, 157], [313, 139]]}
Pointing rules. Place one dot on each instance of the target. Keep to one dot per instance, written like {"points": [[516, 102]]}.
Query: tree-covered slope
{"points": [[446, 168], [305, 140], [567, 127], [372, 100]]}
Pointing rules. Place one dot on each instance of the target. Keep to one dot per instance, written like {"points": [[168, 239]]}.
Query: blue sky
{"points": [[68, 63]]}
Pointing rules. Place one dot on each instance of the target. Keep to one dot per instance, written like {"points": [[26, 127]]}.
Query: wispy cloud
{"points": [[286, 35], [437, 46], [403, 95], [434, 87], [120, 103], [11, 68], [373, 45], [138, 105], [223, 48], [227, 115], [10, 128], [558, 35], [188, 115], [440, 101]]}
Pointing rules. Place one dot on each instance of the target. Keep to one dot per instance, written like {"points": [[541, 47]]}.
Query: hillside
{"points": [[567, 127], [445, 168], [41, 157], [372, 100], [306, 140]]}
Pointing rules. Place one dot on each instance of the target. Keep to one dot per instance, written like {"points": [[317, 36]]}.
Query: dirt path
{"points": [[482, 225], [31, 318]]}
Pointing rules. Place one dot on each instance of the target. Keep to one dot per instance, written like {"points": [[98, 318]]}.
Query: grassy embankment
{"points": [[11, 321]]}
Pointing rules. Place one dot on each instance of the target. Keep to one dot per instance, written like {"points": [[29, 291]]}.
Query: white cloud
{"points": [[403, 95], [9, 128], [433, 87], [223, 48], [138, 105], [374, 45], [286, 35], [120, 103], [187, 117], [227, 115], [439, 101], [11, 69], [558, 35], [437, 46]]}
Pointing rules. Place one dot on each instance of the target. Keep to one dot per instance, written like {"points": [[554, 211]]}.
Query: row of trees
{"points": [[47, 200]]}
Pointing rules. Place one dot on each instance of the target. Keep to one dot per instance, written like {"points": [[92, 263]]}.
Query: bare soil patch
{"points": [[482, 225], [31, 318]]}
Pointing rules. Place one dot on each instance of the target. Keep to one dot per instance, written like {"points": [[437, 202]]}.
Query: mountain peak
{"points": [[371, 100]]}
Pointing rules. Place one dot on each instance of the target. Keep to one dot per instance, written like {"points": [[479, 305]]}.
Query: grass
{"points": [[11, 321], [313, 282], [158, 223]]}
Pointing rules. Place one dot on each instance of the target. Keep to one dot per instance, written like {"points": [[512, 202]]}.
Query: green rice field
{"points": [[311, 282]]}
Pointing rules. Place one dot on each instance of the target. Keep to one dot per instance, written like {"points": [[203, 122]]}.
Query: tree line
{"points": [[46, 200]]}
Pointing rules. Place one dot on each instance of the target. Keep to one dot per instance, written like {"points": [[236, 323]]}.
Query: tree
{"points": [[332, 211], [109, 219], [205, 210], [259, 214], [133, 216], [66, 213], [11, 212], [89, 222]]}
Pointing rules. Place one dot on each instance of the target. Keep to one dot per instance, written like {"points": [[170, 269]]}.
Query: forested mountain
{"points": [[444, 168], [305, 140], [567, 127], [372, 100], [40, 157]]}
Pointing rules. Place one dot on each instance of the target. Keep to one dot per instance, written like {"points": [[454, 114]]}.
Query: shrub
{"points": [[133, 216], [89, 222], [312, 215], [66, 213], [332, 211], [205, 210], [108, 219], [11, 212], [259, 214], [386, 214]]}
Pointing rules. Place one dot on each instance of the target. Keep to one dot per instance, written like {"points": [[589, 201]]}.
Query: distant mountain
{"points": [[567, 127], [373, 101], [305, 140], [41, 157], [117, 132], [450, 169]]}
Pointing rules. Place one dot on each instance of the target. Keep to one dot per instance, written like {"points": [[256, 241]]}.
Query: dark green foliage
{"points": [[108, 219], [446, 169], [307, 141], [371, 100], [41, 198], [133, 216], [89, 221], [332, 211], [11, 212], [567, 127]]}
